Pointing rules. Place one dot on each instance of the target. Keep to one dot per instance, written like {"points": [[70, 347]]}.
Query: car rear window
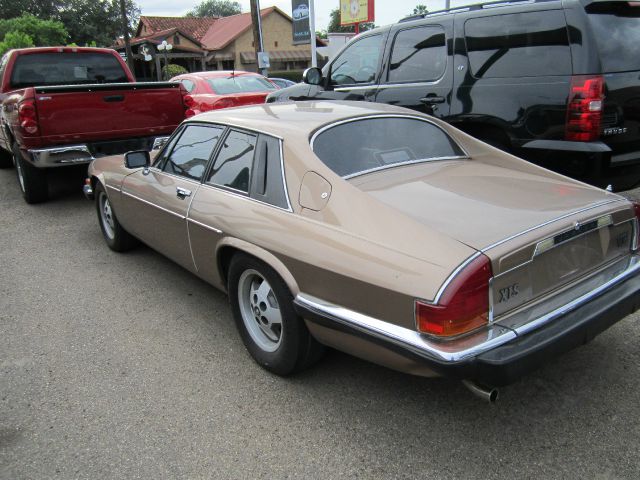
{"points": [[66, 68], [616, 28], [240, 84], [369, 144], [528, 44]]}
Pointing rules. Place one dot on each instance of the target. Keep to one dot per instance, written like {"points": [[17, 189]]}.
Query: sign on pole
{"points": [[301, 29], [356, 11]]}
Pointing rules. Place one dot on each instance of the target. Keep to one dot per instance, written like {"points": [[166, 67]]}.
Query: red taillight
{"points": [[464, 305], [188, 101], [584, 108], [189, 112], [28, 117]]}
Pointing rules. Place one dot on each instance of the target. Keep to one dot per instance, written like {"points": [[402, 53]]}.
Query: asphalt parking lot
{"points": [[127, 366]]}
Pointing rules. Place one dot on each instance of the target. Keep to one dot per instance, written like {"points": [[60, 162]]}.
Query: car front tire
{"points": [[275, 336], [116, 237]]}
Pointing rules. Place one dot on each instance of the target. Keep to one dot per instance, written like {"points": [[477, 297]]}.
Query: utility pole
{"points": [[312, 27], [127, 45], [256, 23]]}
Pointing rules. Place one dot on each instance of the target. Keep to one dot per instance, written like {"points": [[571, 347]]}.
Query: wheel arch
{"points": [[229, 246]]}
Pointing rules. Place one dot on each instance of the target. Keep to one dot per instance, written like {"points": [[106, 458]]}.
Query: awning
{"points": [[278, 56], [220, 57]]}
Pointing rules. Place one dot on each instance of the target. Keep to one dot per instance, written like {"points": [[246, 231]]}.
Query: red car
{"points": [[223, 89]]}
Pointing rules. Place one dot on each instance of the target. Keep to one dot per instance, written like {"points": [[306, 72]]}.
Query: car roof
{"points": [[299, 118], [217, 73]]}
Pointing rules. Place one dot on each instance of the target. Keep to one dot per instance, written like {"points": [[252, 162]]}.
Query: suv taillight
{"points": [[28, 117], [464, 305], [584, 109]]}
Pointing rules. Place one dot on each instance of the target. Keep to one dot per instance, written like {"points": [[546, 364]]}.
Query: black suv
{"points": [[556, 82]]}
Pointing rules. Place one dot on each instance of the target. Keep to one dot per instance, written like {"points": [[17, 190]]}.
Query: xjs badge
{"points": [[509, 292]]}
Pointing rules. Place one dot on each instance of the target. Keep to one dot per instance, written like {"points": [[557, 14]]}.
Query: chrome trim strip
{"points": [[135, 197], [181, 178], [119, 190], [386, 115], [370, 86], [450, 278], [208, 227], [383, 86], [401, 336], [55, 156], [446, 351], [211, 117], [284, 180], [244, 196], [549, 222], [193, 258], [535, 324], [402, 164]]}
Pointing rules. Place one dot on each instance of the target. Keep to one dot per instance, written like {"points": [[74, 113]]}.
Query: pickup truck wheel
{"points": [[117, 238], [262, 305], [32, 180]]}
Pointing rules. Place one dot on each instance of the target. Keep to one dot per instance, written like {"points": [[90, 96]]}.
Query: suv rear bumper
{"points": [[498, 360]]}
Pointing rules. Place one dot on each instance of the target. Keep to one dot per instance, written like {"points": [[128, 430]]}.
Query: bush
{"points": [[15, 40], [293, 75], [171, 70]]}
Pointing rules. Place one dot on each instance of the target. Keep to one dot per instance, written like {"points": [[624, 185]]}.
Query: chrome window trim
{"points": [[284, 179], [182, 217], [549, 222], [203, 225], [119, 190], [403, 164], [453, 275], [426, 83], [224, 123], [233, 193], [368, 86], [388, 115], [186, 179], [445, 351]]}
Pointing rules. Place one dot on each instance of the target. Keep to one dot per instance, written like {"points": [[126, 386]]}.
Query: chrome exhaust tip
{"points": [[488, 394]]}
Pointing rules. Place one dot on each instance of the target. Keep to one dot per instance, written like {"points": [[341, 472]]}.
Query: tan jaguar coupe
{"points": [[381, 232]]}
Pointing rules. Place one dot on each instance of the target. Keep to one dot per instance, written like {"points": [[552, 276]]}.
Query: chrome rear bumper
{"points": [[61, 156]]}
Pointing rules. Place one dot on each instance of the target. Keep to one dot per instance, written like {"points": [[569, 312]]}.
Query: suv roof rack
{"points": [[467, 8]]}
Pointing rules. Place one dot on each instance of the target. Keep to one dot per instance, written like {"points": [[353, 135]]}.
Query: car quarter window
{"points": [[188, 84], [418, 55], [192, 150], [267, 181], [358, 63], [526, 44], [382, 142], [234, 162]]}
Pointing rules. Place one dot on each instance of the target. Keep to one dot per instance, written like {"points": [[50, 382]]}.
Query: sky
{"points": [[386, 11]]}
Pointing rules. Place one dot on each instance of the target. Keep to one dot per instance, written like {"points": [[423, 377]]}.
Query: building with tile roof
{"points": [[216, 43]]}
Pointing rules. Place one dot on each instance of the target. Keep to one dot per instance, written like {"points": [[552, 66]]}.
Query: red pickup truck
{"points": [[66, 106]]}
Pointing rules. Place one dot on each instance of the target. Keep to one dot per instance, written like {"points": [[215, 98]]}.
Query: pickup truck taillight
{"points": [[584, 108], [28, 117], [463, 306]]}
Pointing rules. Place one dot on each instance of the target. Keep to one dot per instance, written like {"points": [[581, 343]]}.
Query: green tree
{"points": [[420, 10], [216, 8], [40, 32], [334, 24], [15, 40], [44, 9], [173, 69]]}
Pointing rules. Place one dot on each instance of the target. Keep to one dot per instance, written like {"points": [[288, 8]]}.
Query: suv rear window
{"points": [[374, 143], [616, 28], [530, 44], [240, 84], [66, 68]]}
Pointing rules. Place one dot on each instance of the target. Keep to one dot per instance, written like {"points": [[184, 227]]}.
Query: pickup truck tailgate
{"points": [[79, 112]]}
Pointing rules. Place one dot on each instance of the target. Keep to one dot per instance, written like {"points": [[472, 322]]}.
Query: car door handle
{"points": [[182, 192], [432, 99]]}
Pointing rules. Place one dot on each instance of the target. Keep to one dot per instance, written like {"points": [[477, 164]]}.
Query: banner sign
{"points": [[300, 16], [356, 11]]}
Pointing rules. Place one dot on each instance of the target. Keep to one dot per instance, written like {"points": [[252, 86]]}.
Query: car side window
{"points": [[529, 44], [190, 154], [234, 162], [358, 63], [188, 85], [418, 55], [267, 179]]}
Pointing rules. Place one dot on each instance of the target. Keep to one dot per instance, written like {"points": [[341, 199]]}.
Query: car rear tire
{"points": [[275, 336], [32, 181], [117, 238]]}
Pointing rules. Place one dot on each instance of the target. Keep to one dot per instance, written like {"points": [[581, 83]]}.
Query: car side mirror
{"points": [[137, 159], [312, 76]]}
